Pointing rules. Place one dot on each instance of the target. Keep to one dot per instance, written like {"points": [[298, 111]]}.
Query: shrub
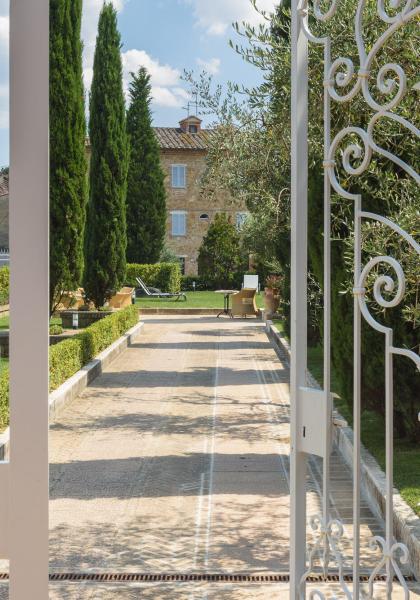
{"points": [[219, 257], [201, 284], [56, 330], [66, 358], [4, 285], [165, 276], [69, 356]]}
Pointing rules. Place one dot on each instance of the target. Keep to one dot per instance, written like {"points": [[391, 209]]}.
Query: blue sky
{"points": [[165, 36]]}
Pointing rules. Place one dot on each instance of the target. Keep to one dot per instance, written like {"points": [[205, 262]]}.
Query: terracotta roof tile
{"points": [[174, 138]]}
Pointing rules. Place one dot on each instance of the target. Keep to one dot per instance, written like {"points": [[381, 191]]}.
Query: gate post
{"points": [[299, 216], [29, 298]]}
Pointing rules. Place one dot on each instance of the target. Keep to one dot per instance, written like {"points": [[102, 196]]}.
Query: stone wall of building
{"points": [[194, 203]]}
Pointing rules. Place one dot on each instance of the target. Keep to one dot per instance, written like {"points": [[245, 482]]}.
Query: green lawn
{"points": [[4, 322], [406, 455], [194, 300]]}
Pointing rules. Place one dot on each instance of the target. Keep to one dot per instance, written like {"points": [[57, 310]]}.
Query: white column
{"points": [[29, 218], [298, 293]]}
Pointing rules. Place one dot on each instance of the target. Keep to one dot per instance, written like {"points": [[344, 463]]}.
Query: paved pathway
{"points": [[176, 461]]}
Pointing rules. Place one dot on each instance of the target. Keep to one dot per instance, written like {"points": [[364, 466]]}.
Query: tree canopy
{"points": [[146, 196], [68, 166], [106, 236]]}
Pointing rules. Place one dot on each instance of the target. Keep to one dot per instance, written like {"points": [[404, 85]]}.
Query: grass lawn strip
{"points": [[194, 300]]}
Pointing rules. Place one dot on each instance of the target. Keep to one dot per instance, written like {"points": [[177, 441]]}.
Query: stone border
{"points": [[186, 311], [75, 385], [406, 522], [180, 311]]}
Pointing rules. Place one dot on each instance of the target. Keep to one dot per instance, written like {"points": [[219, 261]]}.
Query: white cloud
{"points": [[4, 33], [161, 75], [165, 80], [166, 97], [215, 17], [212, 66]]}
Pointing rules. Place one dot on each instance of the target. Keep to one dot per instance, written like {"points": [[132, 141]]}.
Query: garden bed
{"points": [[70, 355], [83, 318]]}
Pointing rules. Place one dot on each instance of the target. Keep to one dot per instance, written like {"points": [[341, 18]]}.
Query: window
{"points": [[241, 217], [192, 128], [179, 176], [204, 217], [179, 222], [182, 264]]}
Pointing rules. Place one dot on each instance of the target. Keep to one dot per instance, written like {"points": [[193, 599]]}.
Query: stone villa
{"points": [[183, 155]]}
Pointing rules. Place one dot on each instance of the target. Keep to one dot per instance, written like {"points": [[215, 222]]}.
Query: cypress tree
{"points": [[146, 196], [106, 237], [68, 184]]}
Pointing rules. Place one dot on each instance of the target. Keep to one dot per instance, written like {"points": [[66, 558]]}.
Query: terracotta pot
{"points": [[271, 301]]}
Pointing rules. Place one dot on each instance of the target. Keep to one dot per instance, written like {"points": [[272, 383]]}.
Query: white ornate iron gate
{"points": [[24, 477], [311, 408]]}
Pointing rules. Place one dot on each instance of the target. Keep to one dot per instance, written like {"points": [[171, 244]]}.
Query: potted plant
{"points": [[272, 294]]}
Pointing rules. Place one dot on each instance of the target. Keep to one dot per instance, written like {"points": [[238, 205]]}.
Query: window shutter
{"points": [[178, 176], [178, 223]]}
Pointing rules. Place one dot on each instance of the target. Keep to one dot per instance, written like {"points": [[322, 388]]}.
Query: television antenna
{"points": [[192, 103]]}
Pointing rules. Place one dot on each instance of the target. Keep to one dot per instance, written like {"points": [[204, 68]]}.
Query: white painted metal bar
{"points": [[389, 452], [357, 349], [29, 297], [327, 295], [299, 217]]}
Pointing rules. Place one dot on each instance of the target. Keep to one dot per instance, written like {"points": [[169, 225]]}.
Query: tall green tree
{"points": [[106, 235], [68, 184], [146, 196], [219, 257]]}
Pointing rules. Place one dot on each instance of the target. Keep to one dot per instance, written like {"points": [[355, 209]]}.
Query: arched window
{"points": [[204, 217]]}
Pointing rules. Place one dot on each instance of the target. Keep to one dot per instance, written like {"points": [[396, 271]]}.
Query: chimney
{"points": [[191, 125]]}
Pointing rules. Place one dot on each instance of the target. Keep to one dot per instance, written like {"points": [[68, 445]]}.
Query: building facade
{"points": [[184, 152]]}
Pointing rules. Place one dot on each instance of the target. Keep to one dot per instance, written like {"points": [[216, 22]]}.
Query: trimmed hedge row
{"points": [[201, 284], [69, 356], [165, 276], [4, 285]]}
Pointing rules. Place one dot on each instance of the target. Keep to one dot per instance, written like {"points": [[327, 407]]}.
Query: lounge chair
{"points": [[158, 293], [243, 303]]}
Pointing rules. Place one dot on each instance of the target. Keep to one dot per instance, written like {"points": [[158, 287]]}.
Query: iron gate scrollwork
{"points": [[350, 154]]}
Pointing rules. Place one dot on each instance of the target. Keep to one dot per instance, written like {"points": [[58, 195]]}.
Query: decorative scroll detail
{"points": [[389, 561], [326, 548], [385, 283]]}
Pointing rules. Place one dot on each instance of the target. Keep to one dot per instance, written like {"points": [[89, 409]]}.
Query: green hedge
{"points": [[69, 356], [165, 276], [4, 285], [201, 284]]}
